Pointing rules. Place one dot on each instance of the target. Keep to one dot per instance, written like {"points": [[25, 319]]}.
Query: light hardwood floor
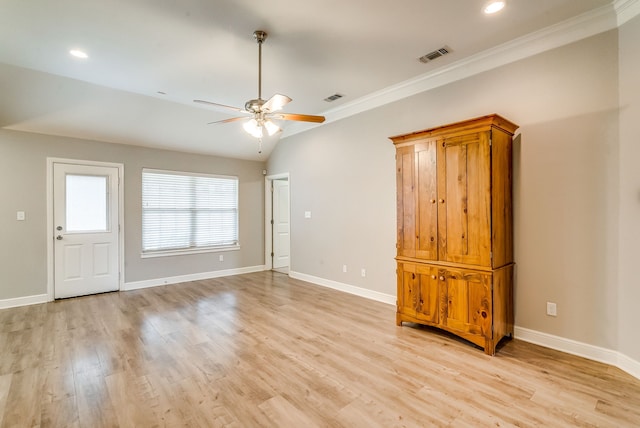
{"points": [[265, 350]]}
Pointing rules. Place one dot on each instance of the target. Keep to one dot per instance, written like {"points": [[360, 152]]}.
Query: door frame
{"points": [[50, 220], [268, 213]]}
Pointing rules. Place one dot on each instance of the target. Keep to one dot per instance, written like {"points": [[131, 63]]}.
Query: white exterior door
{"points": [[85, 216], [280, 224]]}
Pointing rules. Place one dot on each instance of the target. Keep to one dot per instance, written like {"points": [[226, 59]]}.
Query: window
{"points": [[87, 203], [184, 212]]}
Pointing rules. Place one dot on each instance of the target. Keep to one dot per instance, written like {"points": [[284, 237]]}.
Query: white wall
{"points": [[23, 255], [566, 179], [629, 232]]}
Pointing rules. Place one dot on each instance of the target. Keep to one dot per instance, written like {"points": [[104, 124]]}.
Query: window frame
{"points": [[191, 250]]}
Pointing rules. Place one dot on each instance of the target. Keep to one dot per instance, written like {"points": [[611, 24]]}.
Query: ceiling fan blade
{"points": [[209, 103], [232, 119], [276, 103], [299, 117]]}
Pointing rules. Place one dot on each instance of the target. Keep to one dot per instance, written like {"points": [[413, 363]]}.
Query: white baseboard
{"points": [[351, 289], [629, 365], [135, 285], [580, 349], [23, 301]]}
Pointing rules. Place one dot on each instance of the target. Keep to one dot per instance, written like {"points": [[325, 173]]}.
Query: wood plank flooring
{"points": [[264, 350]]}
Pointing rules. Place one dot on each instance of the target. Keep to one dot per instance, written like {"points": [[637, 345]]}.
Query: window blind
{"points": [[182, 211]]}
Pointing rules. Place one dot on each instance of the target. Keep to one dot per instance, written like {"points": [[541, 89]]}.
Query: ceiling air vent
{"points": [[433, 55], [333, 97]]}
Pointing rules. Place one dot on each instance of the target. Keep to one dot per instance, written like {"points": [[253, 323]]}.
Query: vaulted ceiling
{"points": [[149, 59]]}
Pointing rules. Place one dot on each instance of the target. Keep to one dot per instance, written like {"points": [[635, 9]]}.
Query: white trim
{"points": [[629, 365], [577, 28], [50, 219], [194, 250], [626, 10], [351, 289], [135, 285], [268, 207], [24, 301], [580, 349]]}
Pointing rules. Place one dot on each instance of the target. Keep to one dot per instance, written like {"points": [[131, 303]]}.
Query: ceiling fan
{"points": [[262, 112]]}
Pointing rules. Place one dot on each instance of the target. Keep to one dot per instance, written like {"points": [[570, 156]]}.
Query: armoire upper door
{"points": [[416, 170], [406, 201], [464, 199], [427, 200]]}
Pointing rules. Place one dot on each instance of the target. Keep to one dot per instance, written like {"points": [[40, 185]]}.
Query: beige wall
{"points": [[23, 255], [566, 181], [629, 250]]}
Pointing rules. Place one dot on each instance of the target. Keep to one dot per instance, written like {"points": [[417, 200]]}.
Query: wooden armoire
{"points": [[455, 229]]}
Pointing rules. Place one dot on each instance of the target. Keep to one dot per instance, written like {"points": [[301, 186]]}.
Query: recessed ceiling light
{"points": [[78, 53], [494, 6]]}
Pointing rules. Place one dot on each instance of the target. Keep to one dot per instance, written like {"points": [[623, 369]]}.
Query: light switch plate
{"points": [[307, 214], [20, 216], [552, 309]]}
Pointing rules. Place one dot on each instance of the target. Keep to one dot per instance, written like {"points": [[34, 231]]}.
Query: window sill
{"points": [[170, 253]]}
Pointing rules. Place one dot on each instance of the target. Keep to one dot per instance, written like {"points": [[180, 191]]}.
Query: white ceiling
{"points": [[204, 49]]}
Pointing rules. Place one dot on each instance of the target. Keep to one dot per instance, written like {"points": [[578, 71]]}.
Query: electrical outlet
{"points": [[363, 272], [221, 257], [552, 309], [344, 268]]}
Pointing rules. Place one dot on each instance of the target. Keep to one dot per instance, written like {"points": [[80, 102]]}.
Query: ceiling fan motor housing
{"points": [[254, 106]]}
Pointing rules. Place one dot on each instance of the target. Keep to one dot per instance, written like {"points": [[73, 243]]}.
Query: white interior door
{"points": [[280, 224], [85, 215]]}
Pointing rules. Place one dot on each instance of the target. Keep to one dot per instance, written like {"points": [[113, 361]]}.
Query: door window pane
{"points": [[87, 203]]}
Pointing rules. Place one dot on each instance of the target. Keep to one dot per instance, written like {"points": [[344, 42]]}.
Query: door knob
{"points": [[59, 237]]}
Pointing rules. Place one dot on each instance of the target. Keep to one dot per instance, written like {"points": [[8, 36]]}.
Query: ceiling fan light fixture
{"points": [[253, 128]]}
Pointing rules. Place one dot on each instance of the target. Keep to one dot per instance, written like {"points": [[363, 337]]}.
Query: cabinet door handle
{"points": [[433, 201], [441, 278], [433, 277], [442, 201]]}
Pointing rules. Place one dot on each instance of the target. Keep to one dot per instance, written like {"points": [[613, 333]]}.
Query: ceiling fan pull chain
{"points": [[259, 145]]}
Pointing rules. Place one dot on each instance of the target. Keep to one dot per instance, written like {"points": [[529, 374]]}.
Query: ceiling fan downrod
{"points": [[260, 37]]}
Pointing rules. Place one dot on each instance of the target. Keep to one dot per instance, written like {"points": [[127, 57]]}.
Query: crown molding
{"points": [[626, 10], [572, 30]]}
